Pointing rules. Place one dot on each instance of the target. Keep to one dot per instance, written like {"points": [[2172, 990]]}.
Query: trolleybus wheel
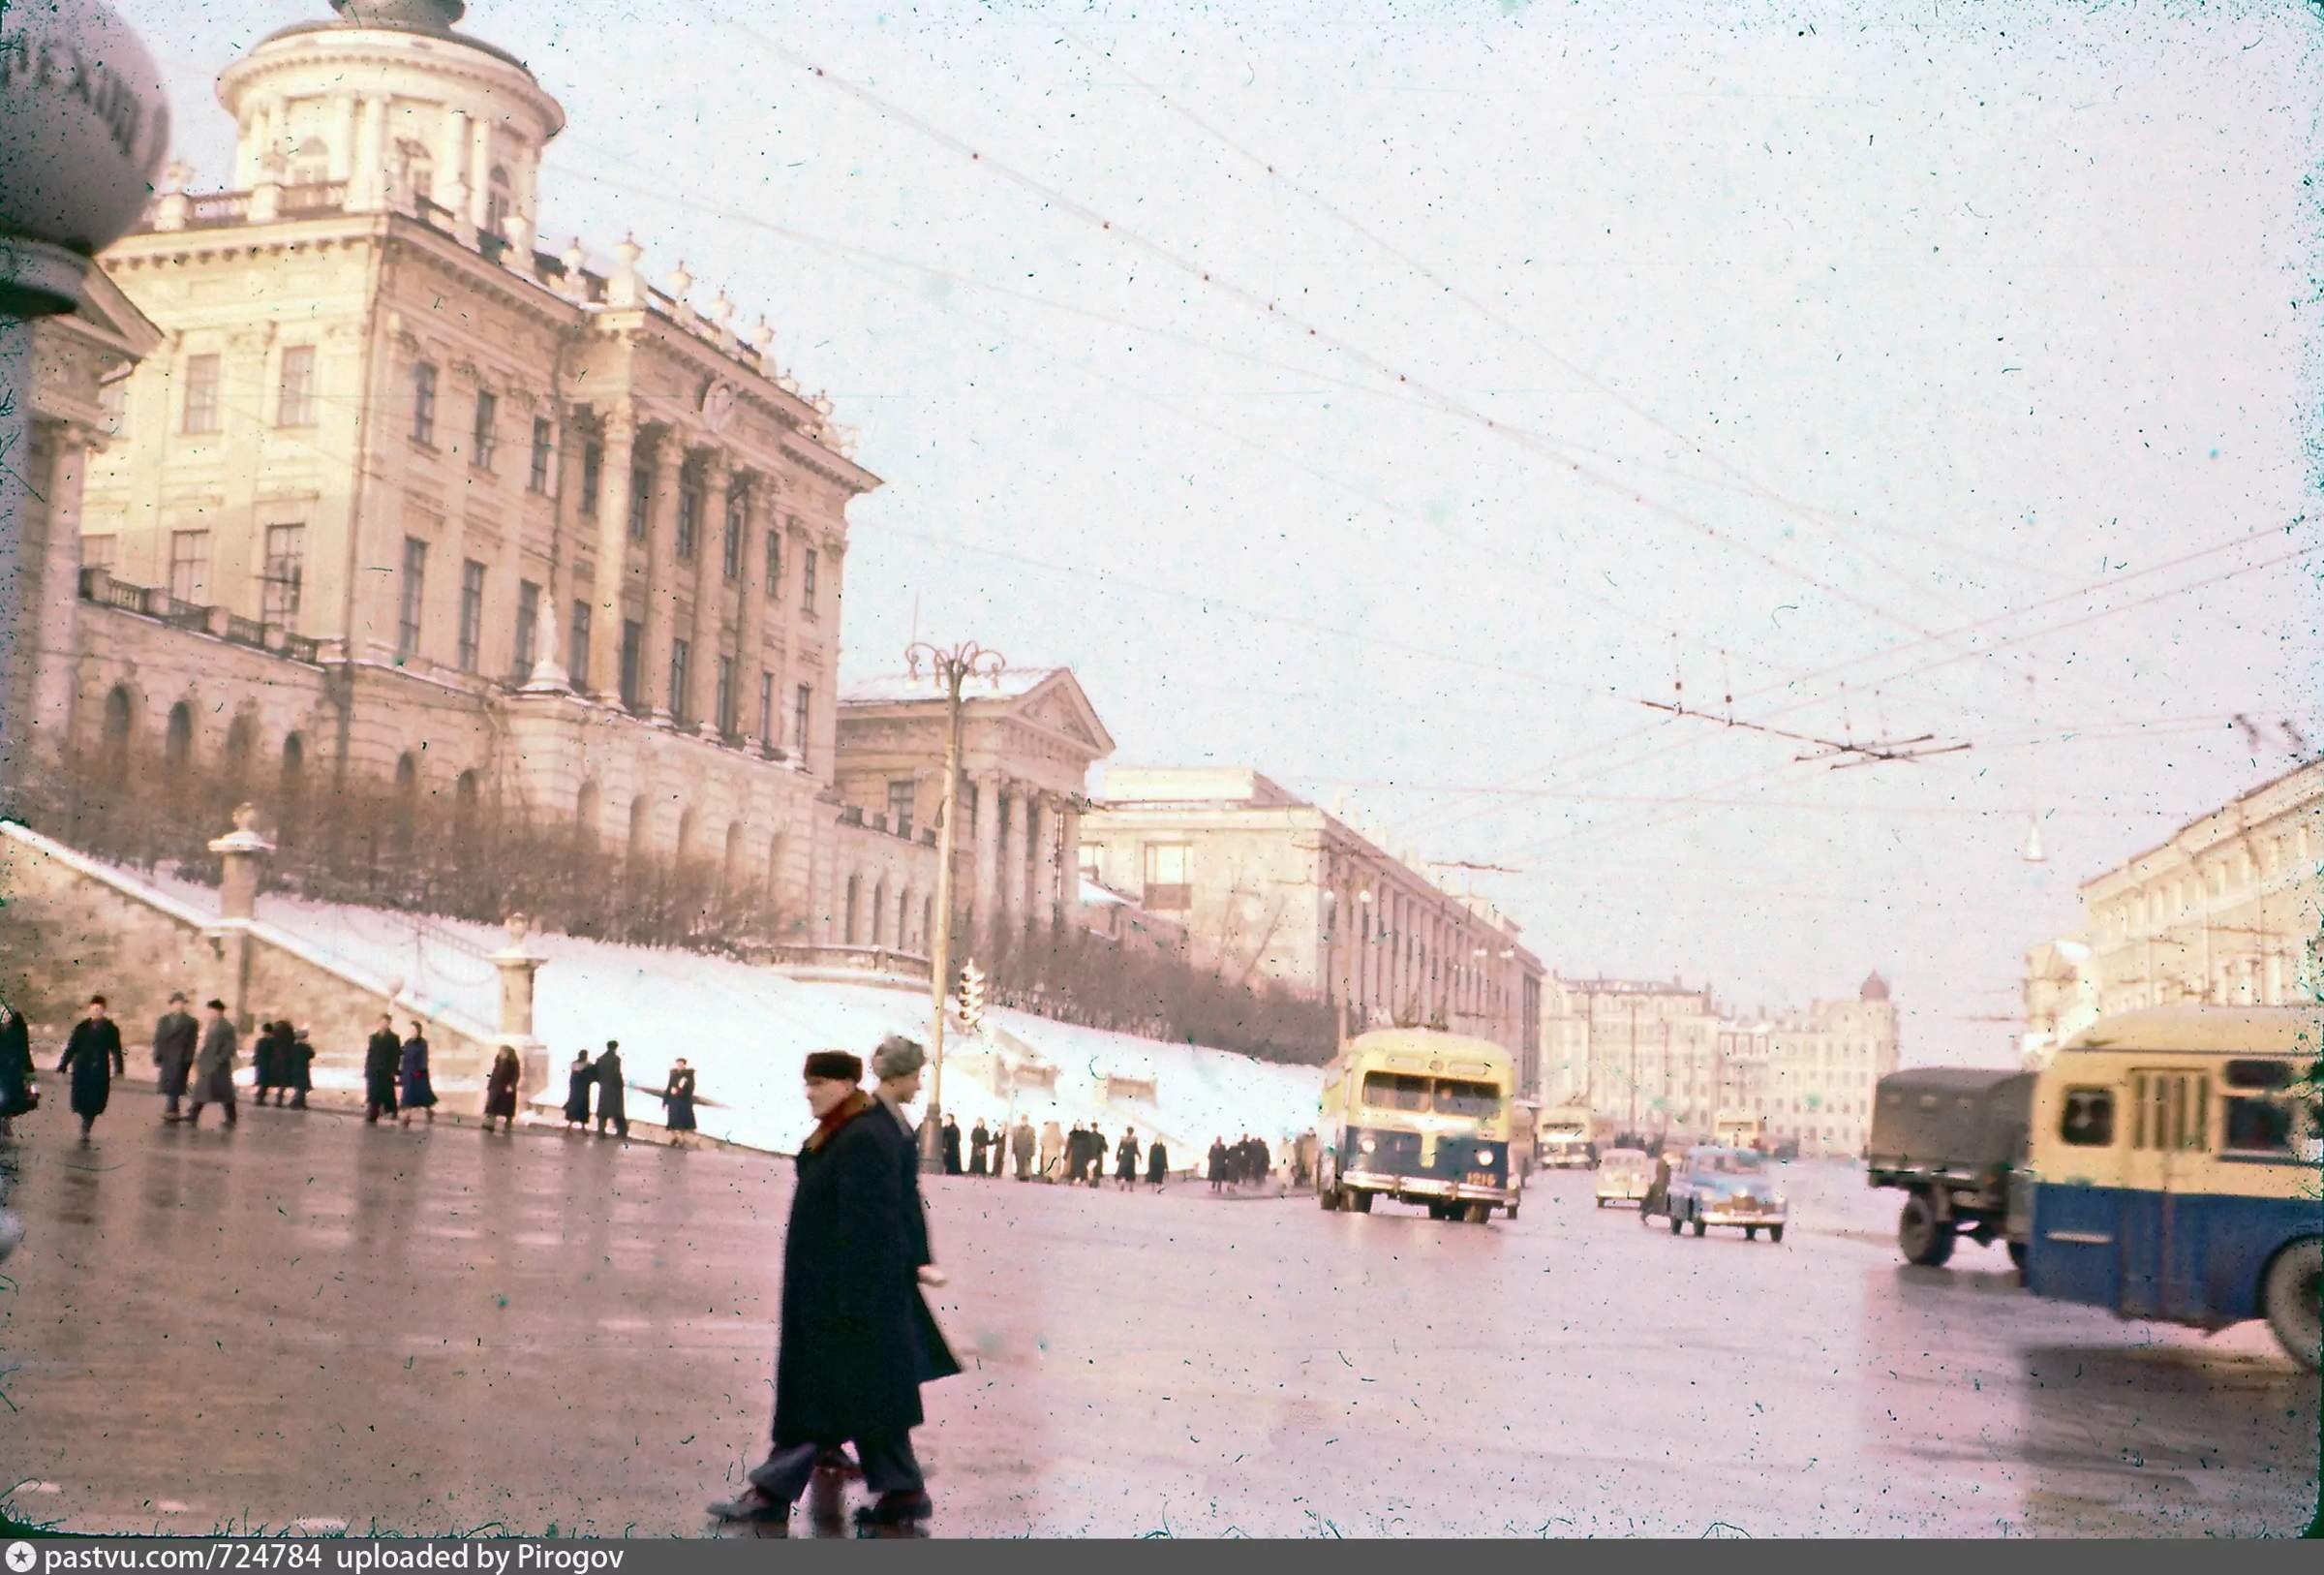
{"points": [[2017, 1256], [2294, 1298], [1359, 1201], [1329, 1199], [1696, 1225], [1922, 1236], [1479, 1212], [1513, 1211], [1750, 1233], [1775, 1234], [1675, 1225]]}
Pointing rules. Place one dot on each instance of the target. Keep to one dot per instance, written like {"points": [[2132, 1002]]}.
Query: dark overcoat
{"points": [[613, 1103], [849, 1363], [383, 1053], [1157, 1161], [174, 1040], [264, 1057], [15, 1066], [93, 1056], [500, 1085], [577, 1084], [214, 1065], [677, 1100], [416, 1088], [298, 1065], [936, 1358]]}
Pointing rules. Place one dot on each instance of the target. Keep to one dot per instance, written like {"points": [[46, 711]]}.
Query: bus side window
{"points": [[2259, 1114], [2088, 1119]]}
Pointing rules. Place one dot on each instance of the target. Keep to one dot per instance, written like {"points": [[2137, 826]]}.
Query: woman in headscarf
{"points": [[677, 1101], [417, 1089], [499, 1090], [578, 1082], [1157, 1162], [1125, 1159]]}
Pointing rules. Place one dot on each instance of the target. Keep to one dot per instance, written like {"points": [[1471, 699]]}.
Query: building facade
{"points": [[2227, 910], [1269, 885], [402, 497], [1028, 737]]}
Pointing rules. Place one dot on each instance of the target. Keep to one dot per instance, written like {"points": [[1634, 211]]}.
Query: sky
{"points": [[1400, 398]]}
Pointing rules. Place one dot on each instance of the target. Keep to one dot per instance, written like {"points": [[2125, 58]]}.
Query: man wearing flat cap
{"points": [[848, 1362], [897, 1063]]}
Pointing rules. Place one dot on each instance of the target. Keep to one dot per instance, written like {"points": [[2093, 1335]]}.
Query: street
{"points": [[308, 1323]]}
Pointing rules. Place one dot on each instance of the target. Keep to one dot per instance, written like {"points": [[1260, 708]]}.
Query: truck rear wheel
{"points": [[2293, 1296], [1922, 1236], [1359, 1201]]}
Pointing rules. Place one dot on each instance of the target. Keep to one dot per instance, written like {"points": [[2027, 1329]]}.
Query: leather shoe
{"points": [[839, 1461], [751, 1504], [895, 1510]]}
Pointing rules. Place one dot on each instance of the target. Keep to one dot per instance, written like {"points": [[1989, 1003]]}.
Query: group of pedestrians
{"points": [[1234, 1164], [1077, 1158]]}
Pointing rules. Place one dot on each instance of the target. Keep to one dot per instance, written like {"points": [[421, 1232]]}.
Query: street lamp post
{"points": [[951, 669]]}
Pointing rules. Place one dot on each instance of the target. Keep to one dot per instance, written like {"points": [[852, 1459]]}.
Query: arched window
{"points": [[240, 741], [464, 812], [928, 925], [178, 745], [730, 873], [294, 790], [497, 201], [773, 865], [855, 888], [879, 908], [686, 834], [120, 723], [407, 800], [415, 170], [585, 815], [904, 909], [641, 812]]}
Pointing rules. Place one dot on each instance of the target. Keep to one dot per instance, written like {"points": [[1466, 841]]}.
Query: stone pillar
{"points": [[517, 962], [613, 556], [750, 616], [662, 571], [243, 853], [1015, 809], [367, 177], [479, 172], [52, 650], [710, 567], [1046, 826], [342, 164], [451, 157], [985, 901], [1069, 850]]}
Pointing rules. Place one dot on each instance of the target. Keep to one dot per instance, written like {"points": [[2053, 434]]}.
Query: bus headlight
{"points": [[1485, 1157], [1365, 1144]]}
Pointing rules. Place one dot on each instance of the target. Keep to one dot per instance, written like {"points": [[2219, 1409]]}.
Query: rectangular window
{"points": [[201, 412], [803, 705], [900, 806], [690, 518], [528, 625], [679, 655], [488, 413], [633, 638], [286, 567], [407, 620], [576, 647], [726, 697], [472, 614], [190, 564], [424, 404], [112, 398], [732, 564], [1167, 889], [2170, 1111], [99, 552], [807, 579], [773, 563], [593, 473], [1395, 1090], [766, 708], [294, 400], [544, 449], [641, 501]]}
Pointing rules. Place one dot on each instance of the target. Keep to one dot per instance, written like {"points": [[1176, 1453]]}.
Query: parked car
{"points": [[1623, 1176], [1726, 1187]]}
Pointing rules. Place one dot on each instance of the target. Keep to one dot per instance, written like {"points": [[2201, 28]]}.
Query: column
{"points": [[340, 165], [710, 558], [984, 908], [662, 571], [479, 171], [367, 179], [1013, 804], [751, 611], [50, 638], [517, 962], [620, 438], [241, 855], [1048, 830], [451, 157], [1069, 850]]}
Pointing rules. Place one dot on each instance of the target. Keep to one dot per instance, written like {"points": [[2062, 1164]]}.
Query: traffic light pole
{"points": [[952, 668]]}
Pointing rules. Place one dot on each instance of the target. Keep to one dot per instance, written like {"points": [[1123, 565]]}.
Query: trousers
{"points": [[889, 1467]]}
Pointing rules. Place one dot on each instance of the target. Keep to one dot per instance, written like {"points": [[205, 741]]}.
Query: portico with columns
{"points": [[1027, 741]]}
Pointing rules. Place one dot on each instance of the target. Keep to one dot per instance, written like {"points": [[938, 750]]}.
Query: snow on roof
{"points": [[889, 688], [1096, 894]]}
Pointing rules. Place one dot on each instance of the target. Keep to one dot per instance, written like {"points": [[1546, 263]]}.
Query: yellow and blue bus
{"points": [[2172, 1165], [1419, 1116]]}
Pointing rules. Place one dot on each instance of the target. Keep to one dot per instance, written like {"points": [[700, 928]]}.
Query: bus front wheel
{"points": [[2294, 1298], [1359, 1201], [1479, 1213]]}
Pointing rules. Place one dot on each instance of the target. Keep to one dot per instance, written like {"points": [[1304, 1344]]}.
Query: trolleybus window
{"points": [[2172, 1110], [1395, 1090], [2259, 1114], [2088, 1119], [1459, 1099]]}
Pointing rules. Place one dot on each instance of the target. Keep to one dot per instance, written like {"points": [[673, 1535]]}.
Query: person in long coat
{"points": [[849, 1358], [299, 1073], [173, 1038], [415, 1087], [93, 1056], [1157, 1164], [1125, 1159], [214, 1068], [383, 1057], [499, 1090], [16, 1066], [979, 1141], [263, 1060], [578, 1082], [897, 1063], [952, 1147], [1219, 1163], [678, 1099], [1020, 1147], [1052, 1143], [613, 1099]]}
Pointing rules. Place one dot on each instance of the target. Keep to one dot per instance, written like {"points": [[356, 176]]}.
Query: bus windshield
{"points": [[1455, 1097], [1446, 1096]]}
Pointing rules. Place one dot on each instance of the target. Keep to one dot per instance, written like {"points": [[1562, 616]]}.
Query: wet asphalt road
{"points": [[309, 1323]]}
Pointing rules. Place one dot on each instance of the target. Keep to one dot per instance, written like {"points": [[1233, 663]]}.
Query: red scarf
{"points": [[845, 1111]]}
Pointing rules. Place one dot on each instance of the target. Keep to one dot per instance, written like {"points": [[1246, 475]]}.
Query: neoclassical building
{"points": [[1028, 737], [401, 496]]}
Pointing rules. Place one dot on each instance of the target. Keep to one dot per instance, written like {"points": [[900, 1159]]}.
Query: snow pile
{"points": [[745, 1030]]}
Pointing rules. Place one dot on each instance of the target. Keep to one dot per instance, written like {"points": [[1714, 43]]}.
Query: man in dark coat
{"points": [[383, 1058], [952, 1147], [897, 1063], [847, 1366], [15, 1066], [612, 1098], [174, 1040], [979, 1141], [265, 1060], [1219, 1163], [298, 1067], [214, 1067], [93, 1056]]}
